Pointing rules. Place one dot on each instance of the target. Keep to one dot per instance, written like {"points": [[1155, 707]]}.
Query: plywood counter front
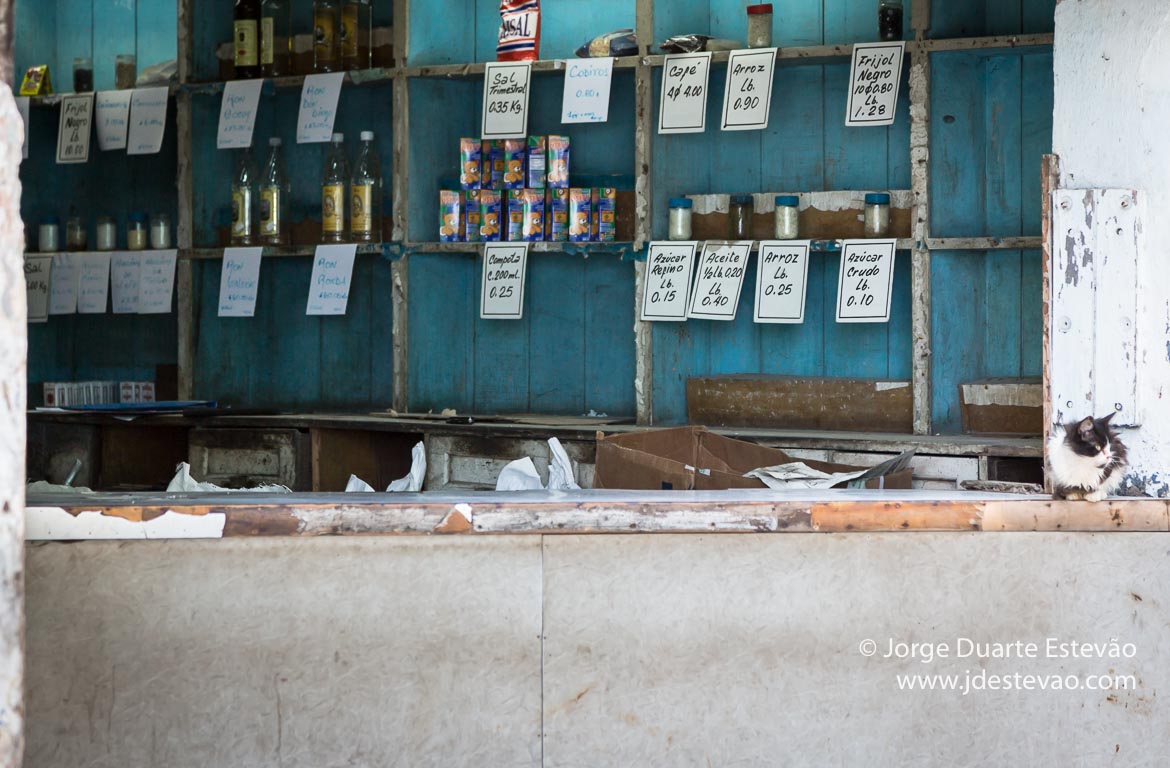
{"points": [[77, 516]]}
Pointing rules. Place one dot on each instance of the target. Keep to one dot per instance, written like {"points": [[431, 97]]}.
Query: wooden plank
{"points": [[1073, 303], [799, 403], [921, 340], [1119, 248], [1049, 182]]}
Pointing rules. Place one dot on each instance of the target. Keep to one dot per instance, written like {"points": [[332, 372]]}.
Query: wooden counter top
{"points": [[100, 515]]}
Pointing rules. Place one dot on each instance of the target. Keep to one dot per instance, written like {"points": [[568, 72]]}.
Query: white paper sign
{"points": [[74, 128], [237, 113], [125, 285], [66, 272], [747, 99], [156, 281], [873, 83], [505, 99], [668, 281], [148, 120], [682, 107], [93, 289], [37, 270], [332, 274], [112, 116], [866, 283], [587, 84], [239, 283], [319, 97], [505, 266], [22, 107], [781, 281], [719, 280]]}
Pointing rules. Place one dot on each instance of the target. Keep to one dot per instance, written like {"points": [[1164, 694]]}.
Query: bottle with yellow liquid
{"points": [[356, 26], [326, 36], [334, 181], [274, 191], [243, 193], [365, 194]]}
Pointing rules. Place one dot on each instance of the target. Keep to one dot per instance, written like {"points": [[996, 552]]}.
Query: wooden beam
{"points": [[1049, 182], [643, 212], [920, 321], [400, 269]]}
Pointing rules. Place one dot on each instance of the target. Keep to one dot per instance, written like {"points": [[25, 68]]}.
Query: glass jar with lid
{"points": [[136, 234], [759, 25], [787, 217], [739, 217], [877, 214], [107, 233], [160, 231], [49, 235], [680, 218], [75, 235], [889, 19]]}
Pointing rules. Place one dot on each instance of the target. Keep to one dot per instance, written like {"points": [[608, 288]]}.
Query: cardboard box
{"points": [[694, 458]]}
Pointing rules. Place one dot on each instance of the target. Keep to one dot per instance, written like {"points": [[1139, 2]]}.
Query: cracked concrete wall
{"points": [[1109, 128], [13, 360]]}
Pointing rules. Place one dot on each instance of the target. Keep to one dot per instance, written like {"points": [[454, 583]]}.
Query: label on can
{"points": [[361, 212], [333, 208]]}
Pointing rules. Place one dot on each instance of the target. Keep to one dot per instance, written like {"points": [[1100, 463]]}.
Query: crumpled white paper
{"points": [[521, 475], [184, 483], [412, 483], [797, 474]]}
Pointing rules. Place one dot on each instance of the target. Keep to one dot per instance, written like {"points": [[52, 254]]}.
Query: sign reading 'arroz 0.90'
{"points": [[505, 267]]}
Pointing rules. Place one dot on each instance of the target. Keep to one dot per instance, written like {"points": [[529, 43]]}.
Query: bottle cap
{"points": [[681, 202], [741, 199], [877, 198], [275, 141], [761, 8], [367, 135], [791, 200], [338, 138]]}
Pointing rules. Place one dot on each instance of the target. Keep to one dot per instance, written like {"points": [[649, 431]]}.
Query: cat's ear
{"points": [[1104, 420], [1086, 428]]}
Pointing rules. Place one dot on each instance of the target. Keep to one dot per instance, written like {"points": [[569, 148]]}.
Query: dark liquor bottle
{"points": [[247, 38]]}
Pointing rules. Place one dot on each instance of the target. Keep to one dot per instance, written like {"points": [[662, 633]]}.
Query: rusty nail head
{"points": [[1065, 204], [1070, 404]]}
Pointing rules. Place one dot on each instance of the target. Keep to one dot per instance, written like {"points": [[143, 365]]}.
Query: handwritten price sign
{"points": [[866, 282], [505, 266], [683, 105], [719, 280], [781, 278], [873, 83], [747, 100], [505, 100], [668, 281]]}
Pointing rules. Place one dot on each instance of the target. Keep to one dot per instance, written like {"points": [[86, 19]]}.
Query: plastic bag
{"points": [[521, 475], [184, 483], [622, 42], [696, 43], [519, 38]]}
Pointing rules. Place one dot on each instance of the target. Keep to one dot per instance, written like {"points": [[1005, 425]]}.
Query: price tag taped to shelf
{"points": [[668, 281], [331, 280], [148, 120], [74, 129], [505, 267], [37, 270], [239, 282], [22, 107], [237, 114], [156, 282], [866, 281], [873, 83], [587, 85], [66, 271], [93, 288], [781, 279], [112, 116], [747, 99], [505, 99], [719, 280], [683, 105], [319, 97], [125, 282]]}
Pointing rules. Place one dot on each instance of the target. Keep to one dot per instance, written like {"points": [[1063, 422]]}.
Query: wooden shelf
{"points": [[359, 77], [624, 249], [476, 69], [983, 243], [388, 250]]}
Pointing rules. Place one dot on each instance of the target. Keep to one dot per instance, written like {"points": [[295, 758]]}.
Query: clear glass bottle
{"points": [[787, 217], [739, 217], [759, 25], [356, 31], [125, 71], [274, 191], [276, 38], [877, 214], [889, 19], [680, 218], [326, 36], [136, 234], [333, 183], [365, 195], [82, 74], [243, 193], [247, 38]]}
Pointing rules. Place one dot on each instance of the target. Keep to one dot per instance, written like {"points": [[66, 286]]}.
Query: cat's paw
{"points": [[1096, 496]]}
